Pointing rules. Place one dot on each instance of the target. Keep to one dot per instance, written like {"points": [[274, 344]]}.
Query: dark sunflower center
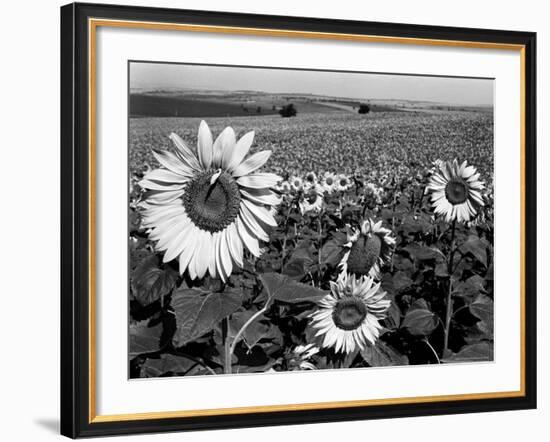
{"points": [[456, 191], [343, 182], [349, 313], [312, 197], [310, 178], [329, 181], [363, 254], [212, 207]]}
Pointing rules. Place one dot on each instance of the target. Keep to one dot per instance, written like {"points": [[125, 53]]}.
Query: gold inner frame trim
{"points": [[93, 24]]}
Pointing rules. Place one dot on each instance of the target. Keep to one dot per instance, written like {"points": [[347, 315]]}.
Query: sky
{"points": [[457, 91]]}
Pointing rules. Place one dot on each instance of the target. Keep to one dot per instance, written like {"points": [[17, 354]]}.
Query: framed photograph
{"points": [[280, 220]]}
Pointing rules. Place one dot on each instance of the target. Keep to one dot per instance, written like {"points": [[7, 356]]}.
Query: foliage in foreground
{"points": [[184, 327]]}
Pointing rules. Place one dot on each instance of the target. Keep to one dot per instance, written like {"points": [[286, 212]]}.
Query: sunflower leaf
{"points": [[482, 351], [198, 312], [470, 288], [331, 253], [477, 247], [284, 289], [144, 339], [420, 322], [383, 355], [401, 281], [482, 308], [150, 282], [422, 253], [167, 364], [259, 330]]}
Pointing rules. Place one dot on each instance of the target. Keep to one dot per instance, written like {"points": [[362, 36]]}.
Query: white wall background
{"points": [[29, 219]]}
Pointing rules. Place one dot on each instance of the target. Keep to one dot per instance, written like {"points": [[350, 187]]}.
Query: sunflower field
{"points": [[324, 241]]}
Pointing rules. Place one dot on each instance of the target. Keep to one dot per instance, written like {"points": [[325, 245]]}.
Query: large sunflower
{"points": [[455, 191], [204, 207], [348, 316], [367, 249]]}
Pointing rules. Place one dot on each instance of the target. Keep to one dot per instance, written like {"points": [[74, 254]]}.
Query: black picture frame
{"points": [[75, 220]]}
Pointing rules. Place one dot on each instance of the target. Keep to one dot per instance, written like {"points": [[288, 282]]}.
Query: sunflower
{"points": [[329, 182], [310, 180], [296, 183], [285, 187], [343, 183], [374, 192], [313, 200], [456, 191], [298, 358], [205, 207], [348, 316], [367, 249]]}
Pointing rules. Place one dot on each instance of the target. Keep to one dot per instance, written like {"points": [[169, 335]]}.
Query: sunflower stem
{"points": [[226, 346], [449, 303], [285, 239], [433, 350], [245, 326], [394, 204], [320, 239]]}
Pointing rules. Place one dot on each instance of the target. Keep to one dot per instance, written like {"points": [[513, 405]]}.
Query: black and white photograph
{"points": [[285, 220]]}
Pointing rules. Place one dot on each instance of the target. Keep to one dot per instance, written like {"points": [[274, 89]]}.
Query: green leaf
{"points": [[383, 355], [149, 282], [477, 247], [419, 304], [482, 308], [331, 253], [470, 288], [259, 330], [423, 253], [420, 322], [441, 270], [402, 263], [489, 275], [296, 268], [300, 261], [393, 315], [144, 339], [282, 288], [482, 351], [401, 281], [198, 312], [153, 368]]}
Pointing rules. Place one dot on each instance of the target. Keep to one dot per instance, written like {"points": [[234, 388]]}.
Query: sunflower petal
{"points": [[204, 145], [247, 238], [239, 152], [261, 196], [252, 163], [172, 162], [223, 147], [185, 152], [259, 180], [252, 223]]}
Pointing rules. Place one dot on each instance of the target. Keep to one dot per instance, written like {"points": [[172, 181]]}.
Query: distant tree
{"points": [[259, 110], [274, 107], [364, 108], [288, 111]]}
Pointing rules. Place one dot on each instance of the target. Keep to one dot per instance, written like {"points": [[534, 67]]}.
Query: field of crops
{"points": [[436, 272], [386, 143]]}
